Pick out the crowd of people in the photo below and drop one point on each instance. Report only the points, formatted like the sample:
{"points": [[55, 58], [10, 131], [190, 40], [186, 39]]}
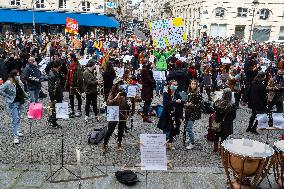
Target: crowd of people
{"points": [[248, 74]]}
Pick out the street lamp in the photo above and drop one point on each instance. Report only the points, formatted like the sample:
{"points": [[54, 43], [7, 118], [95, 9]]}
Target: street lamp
{"points": [[255, 3], [33, 10]]}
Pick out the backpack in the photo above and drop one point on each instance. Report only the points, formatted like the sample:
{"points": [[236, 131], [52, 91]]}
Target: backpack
{"points": [[97, 135], [126, 177]]}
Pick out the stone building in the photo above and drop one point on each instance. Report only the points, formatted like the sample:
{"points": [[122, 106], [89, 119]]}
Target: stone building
{"points": [[260, 20]]}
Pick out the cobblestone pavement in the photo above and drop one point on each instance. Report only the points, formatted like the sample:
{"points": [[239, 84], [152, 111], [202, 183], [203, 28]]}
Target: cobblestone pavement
{"points": [[46, 145]]}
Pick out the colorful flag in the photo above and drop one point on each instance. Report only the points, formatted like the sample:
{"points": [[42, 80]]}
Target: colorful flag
{"points": [[71, 26]]}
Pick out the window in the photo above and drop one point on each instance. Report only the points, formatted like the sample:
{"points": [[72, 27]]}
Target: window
{"points": [[264, 14], [220, 12], [62, 4], [40, 4], [86, 6], [242, 12], [15, 2], [281, 33]]}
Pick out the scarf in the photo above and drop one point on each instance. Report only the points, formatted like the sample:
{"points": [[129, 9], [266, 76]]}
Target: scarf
{"points": [[72, 68]]}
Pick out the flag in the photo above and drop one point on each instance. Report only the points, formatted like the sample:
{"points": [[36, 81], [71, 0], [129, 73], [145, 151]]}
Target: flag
{"points": [[71, 26]]}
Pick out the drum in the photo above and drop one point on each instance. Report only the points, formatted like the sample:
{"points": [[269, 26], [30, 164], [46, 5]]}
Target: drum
{"points": [[278, 167], [246, 162]]}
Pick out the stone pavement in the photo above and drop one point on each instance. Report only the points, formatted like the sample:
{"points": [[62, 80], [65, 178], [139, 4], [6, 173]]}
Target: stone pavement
{"points": [[24, 177]]}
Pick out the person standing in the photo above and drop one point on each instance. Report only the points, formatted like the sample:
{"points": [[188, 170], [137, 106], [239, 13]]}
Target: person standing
{"points": [[13, 91], [32, 76], [225, 113], [257, 100], [192, 110], [148, 84], [91, 88], [55, 90], [74, 84], [108, 77]]}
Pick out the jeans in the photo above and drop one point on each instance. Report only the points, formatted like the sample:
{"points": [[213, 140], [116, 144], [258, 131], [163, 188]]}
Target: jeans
{"points": [[160, 87], [111, 128], [15, 111], [34, 95], [79, 99], [91, 99], [189, 129]]}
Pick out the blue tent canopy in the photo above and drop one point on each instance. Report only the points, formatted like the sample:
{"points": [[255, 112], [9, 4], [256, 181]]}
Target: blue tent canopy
{"points": [[56, 18]]}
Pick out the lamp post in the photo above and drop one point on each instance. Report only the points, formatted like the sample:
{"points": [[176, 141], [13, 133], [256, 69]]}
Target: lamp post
{"points": [[33, 10], [255, 3]]}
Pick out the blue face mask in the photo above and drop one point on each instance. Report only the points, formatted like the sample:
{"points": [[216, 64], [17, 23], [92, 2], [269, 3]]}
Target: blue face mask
{"points": [[173, 88]]}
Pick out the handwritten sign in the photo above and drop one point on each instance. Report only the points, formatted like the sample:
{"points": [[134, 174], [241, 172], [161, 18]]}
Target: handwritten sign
{"points": [[153, 152], [112, 113], [62, 110], [131, 90], [159, 75]]}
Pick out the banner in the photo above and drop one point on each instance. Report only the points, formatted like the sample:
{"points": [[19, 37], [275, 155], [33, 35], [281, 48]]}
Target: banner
{"points": [[71, 26], [168, 32]]}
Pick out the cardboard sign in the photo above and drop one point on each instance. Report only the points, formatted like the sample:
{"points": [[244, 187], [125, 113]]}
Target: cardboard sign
{"points": [[112, 113], [131, 90], [61, 110], [71, 26], [153, 152]]}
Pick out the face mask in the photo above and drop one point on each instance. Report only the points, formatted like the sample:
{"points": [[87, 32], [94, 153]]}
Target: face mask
{"points": [[173, 88]]}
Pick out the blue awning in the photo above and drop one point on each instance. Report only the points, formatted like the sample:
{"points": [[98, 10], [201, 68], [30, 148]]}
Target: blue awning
{"points": [[56, 18]]}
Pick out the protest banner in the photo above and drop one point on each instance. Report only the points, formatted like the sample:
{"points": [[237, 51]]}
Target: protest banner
{"points": [[153, 152], [167, 32], [72, 26], [112, 113], [61, 110]]}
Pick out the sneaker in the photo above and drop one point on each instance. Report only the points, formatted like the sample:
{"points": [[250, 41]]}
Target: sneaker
{"points": [[78, 114], [20, 134], [16, 141], [190, 146], [86, 118]]}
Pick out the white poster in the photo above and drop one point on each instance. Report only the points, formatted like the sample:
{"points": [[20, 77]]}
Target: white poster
{"points": [[119, 72], [278, 121], [62, 110], [112, 113], [153, 152], [159, 75], [131, 90]]}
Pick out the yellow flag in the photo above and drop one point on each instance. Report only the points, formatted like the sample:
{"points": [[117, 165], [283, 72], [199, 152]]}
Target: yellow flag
{"points": [[150, 26], [184, 37], [178, 22]]}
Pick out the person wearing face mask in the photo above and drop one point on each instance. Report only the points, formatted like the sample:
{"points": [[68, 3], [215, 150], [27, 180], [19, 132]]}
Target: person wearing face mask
{"points": [[91, 88], [167, 122], [32, 76], [13, 91], [148, 84]]}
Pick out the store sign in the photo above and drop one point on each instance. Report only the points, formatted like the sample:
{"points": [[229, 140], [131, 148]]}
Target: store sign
{"points": [[111, 5]]}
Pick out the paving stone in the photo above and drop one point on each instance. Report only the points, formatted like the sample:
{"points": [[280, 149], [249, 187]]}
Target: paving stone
{"points": [[9, 178], [31, 179]]}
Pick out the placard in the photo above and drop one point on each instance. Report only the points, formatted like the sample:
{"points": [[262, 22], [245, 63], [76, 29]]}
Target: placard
{"points": [[61, 110], [131, 90], [35, 110], [153, 152], [119, 72], [112, 113], [159, 75]]}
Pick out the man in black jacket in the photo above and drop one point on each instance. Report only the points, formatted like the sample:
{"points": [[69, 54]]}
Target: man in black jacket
{"points": [[90, 86], [55, 90], [257, 100]]}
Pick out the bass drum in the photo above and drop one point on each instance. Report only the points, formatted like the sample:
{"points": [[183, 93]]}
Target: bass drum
{"points": [[278, 167]]}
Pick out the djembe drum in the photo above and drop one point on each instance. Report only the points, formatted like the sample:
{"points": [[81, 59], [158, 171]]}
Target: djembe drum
{"points": [[278, 167], [246, 162]]}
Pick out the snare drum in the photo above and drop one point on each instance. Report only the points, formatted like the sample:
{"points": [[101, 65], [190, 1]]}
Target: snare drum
{"points": [[246, 161], [278, 167]]}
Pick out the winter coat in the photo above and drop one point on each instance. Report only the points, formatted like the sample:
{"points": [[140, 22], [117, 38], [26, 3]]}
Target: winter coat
{"points": [[75, 84], [161, 58], [193, 106], [90, 82], [225, 113], [257, 96], [148, 84], [54, 86], [32, 76]]}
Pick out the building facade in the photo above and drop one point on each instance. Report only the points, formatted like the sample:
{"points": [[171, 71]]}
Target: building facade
{"points": [[258, 20]]}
